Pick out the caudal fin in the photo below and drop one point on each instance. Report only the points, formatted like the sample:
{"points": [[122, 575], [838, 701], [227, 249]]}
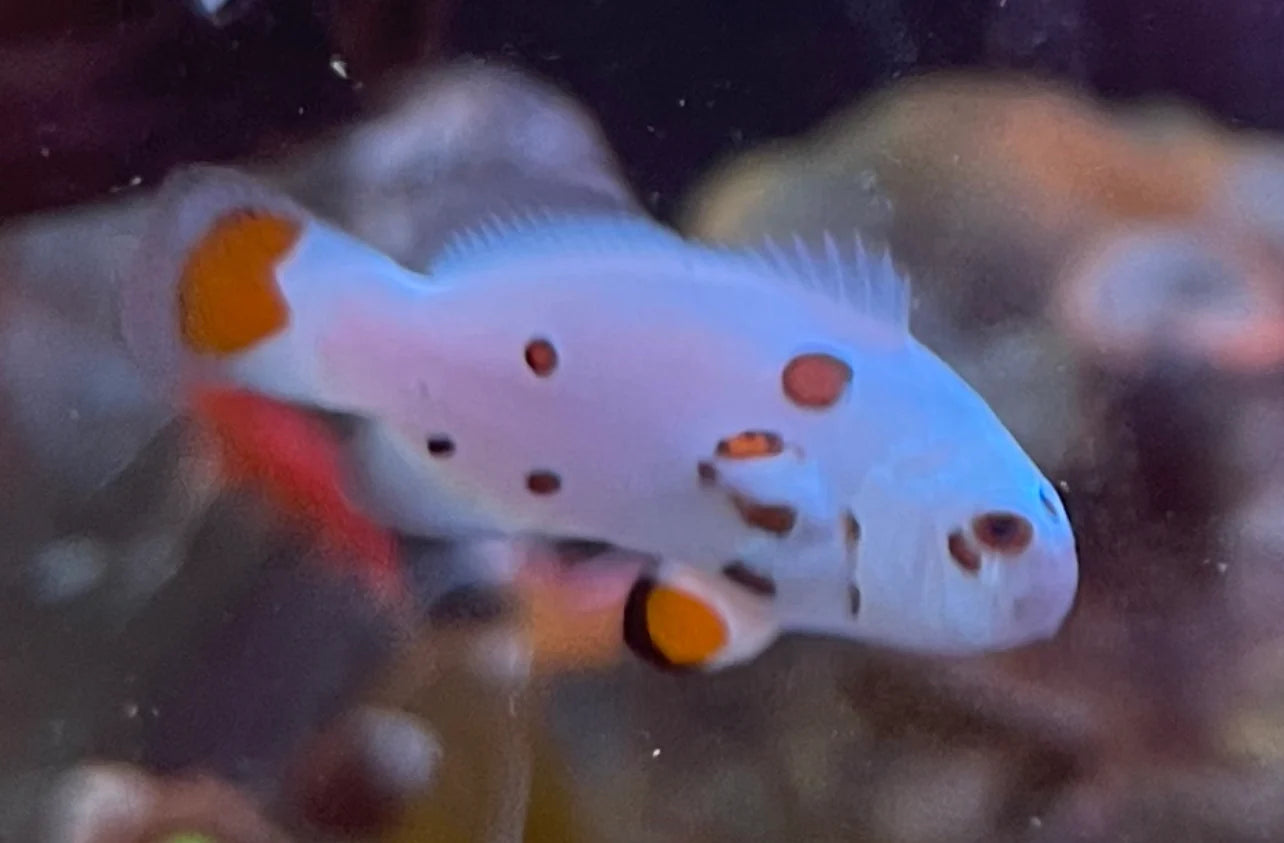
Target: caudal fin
{"points": [[235, 283], [203, 285]]}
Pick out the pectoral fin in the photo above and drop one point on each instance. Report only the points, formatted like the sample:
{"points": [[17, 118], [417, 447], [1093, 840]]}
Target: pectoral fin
{"points": [[684, 619]]}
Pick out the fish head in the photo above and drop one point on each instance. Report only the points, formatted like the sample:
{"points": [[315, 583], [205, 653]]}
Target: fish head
{"points": [[961, 550], [957, 542]]}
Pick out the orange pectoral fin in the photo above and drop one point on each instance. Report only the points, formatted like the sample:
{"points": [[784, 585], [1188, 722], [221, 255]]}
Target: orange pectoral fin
{"points": [[228, 297], [684, 619]]}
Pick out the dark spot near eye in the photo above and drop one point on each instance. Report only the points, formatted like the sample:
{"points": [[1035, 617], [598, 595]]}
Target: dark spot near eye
{"points": [[853, 599], [851, 530], [779, 520], [815, 380], [1003, 532], [707, 473], [541, 357], [742, 574], [543, 482], [750, 444], [1048, 504], [441, 446], [967, 558]]}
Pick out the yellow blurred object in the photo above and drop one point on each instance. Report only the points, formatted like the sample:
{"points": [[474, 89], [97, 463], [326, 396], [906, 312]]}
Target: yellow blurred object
{"points": [[565, 635]]}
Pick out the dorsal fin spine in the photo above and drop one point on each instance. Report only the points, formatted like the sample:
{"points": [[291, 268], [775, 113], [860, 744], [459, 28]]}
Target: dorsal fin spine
{"points": [[825, 271]]}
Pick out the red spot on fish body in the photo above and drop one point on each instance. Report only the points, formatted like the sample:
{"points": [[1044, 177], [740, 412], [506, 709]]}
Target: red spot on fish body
{"points": [[295, 461], [815, 381]]}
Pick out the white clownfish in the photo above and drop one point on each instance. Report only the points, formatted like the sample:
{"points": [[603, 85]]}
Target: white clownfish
{"points": [[761, 423]]}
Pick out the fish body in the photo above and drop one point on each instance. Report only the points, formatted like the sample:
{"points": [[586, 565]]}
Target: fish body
{"points": [[761, 422]]}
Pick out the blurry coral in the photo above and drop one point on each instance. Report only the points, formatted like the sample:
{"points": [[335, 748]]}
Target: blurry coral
{"points": [[114, 803]]}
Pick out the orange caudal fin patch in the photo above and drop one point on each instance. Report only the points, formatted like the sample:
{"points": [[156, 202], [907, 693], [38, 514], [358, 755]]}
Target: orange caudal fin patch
{"points": [[203, 281], [228, 297], [295, 462]]}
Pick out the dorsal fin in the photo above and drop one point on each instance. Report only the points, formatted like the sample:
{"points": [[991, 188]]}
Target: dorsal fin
{"points": [[850, 275], [539, 231], [853, 276]]}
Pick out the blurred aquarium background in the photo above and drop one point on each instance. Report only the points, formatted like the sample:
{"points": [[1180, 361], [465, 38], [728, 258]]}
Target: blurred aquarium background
{"points": [[1089, 195]]}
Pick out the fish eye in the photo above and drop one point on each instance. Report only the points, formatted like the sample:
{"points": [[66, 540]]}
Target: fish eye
{"points": [[1003, 532]]}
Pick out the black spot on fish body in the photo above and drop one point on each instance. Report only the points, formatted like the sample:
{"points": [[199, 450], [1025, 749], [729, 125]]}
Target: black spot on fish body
{"points": [[543, 482], [744, 576], [441, 446]]}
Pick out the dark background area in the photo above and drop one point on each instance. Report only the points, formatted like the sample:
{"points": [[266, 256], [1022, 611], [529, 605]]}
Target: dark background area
{"points": [[96, 96]]}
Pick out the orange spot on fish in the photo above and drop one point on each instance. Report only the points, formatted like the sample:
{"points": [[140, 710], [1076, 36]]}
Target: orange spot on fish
{"points": [[772, 518], [815, 380], [228, 298], [962, 553], [294, 461], [684, 629], [750, 444], [851, 531], [541, 357]]}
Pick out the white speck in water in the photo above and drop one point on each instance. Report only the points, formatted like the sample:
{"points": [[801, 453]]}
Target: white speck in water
{"points": [[134, 182], [1221, 567], [44, 152], [130, 710], [682, 102], [339, 66], [1035, 822], [300, 110], [655, 753]]}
